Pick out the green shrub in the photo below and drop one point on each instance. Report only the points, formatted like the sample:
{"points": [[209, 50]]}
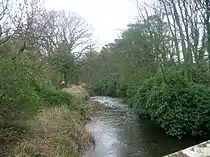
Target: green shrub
{"points": [[17, 90], [97, 88], [180, 108], [130, 92], [181, 111], [136, 93], [121, 89], [110, 87], [22, 95], [106, 86], [51, 96]]}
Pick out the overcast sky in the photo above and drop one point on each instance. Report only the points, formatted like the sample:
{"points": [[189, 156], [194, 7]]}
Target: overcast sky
{"points": [[106, 17]]}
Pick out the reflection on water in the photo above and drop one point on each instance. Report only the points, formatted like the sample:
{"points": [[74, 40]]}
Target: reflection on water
{"points": [[120, 133]]}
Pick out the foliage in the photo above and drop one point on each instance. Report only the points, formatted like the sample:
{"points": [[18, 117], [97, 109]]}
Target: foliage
{"points": [[179, 107], [54, 115], [39, 47], [162, 62], [107, 86], [152, 76], [17, 89], [110, 87], [55, 97], [175, 104], [121, 89], [21, 93]]}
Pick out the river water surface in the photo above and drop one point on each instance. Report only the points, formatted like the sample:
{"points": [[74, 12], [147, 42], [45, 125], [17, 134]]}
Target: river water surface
{"points": [[118, 132]]}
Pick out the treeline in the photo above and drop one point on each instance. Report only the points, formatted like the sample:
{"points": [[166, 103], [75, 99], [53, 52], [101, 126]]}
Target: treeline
{"points": [[160, 66], [50, 43], [39, 48]]}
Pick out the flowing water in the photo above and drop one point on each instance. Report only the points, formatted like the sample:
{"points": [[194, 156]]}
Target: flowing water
{"points": [[118, 132]]}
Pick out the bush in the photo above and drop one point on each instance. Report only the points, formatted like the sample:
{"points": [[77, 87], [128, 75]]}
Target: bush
{"points": [[106, 86], [50, 96], [121, 89], [17, 90], [130, 92], [111, 86], [136, 94], [22, 95], [180, 108]]}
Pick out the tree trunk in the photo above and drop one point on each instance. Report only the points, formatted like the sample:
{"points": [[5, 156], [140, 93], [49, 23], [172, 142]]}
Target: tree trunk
{"points": [[208, 33], [184, 50]]}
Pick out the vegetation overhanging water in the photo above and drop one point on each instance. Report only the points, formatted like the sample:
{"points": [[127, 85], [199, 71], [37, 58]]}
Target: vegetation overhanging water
{"points": [[118, 131]]}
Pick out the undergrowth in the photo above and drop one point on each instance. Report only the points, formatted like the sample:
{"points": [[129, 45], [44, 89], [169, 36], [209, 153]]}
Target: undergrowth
{"points": [[38, 119], [55, 131]]}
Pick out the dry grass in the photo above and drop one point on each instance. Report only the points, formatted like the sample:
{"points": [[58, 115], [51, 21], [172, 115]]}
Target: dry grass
{"points": [[78, 92], [59, 131], [55, 132], [80, 96]]}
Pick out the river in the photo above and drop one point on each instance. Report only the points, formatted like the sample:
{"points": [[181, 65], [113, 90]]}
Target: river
{"points": [[119, 132]]}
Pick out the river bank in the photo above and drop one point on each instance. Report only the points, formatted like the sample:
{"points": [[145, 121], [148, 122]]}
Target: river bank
{"points": [[55, 130]]}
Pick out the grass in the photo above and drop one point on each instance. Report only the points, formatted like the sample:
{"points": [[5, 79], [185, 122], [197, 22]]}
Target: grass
{"points": [[39, 120], [80, 96], [79, 93], [54, 131]]}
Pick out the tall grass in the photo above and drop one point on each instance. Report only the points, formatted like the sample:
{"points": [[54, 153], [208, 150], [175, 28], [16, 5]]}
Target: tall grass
{"points": [[55, 131]]}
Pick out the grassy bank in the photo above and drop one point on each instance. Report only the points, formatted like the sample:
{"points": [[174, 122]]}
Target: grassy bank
{"points": [[39, 120], [53, 131]]}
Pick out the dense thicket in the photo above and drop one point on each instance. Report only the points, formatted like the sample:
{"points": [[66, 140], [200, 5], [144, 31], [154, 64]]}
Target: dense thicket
{"points": [[22, 95], [160, 65]]}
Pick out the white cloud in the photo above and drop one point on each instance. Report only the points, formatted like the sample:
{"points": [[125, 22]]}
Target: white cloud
{"points": [[105, 16]]}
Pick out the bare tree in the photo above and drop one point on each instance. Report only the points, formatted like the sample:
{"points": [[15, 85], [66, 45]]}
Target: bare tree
{"points": [[65, 38], [75, 32], [187, 25], [5, 8]]}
